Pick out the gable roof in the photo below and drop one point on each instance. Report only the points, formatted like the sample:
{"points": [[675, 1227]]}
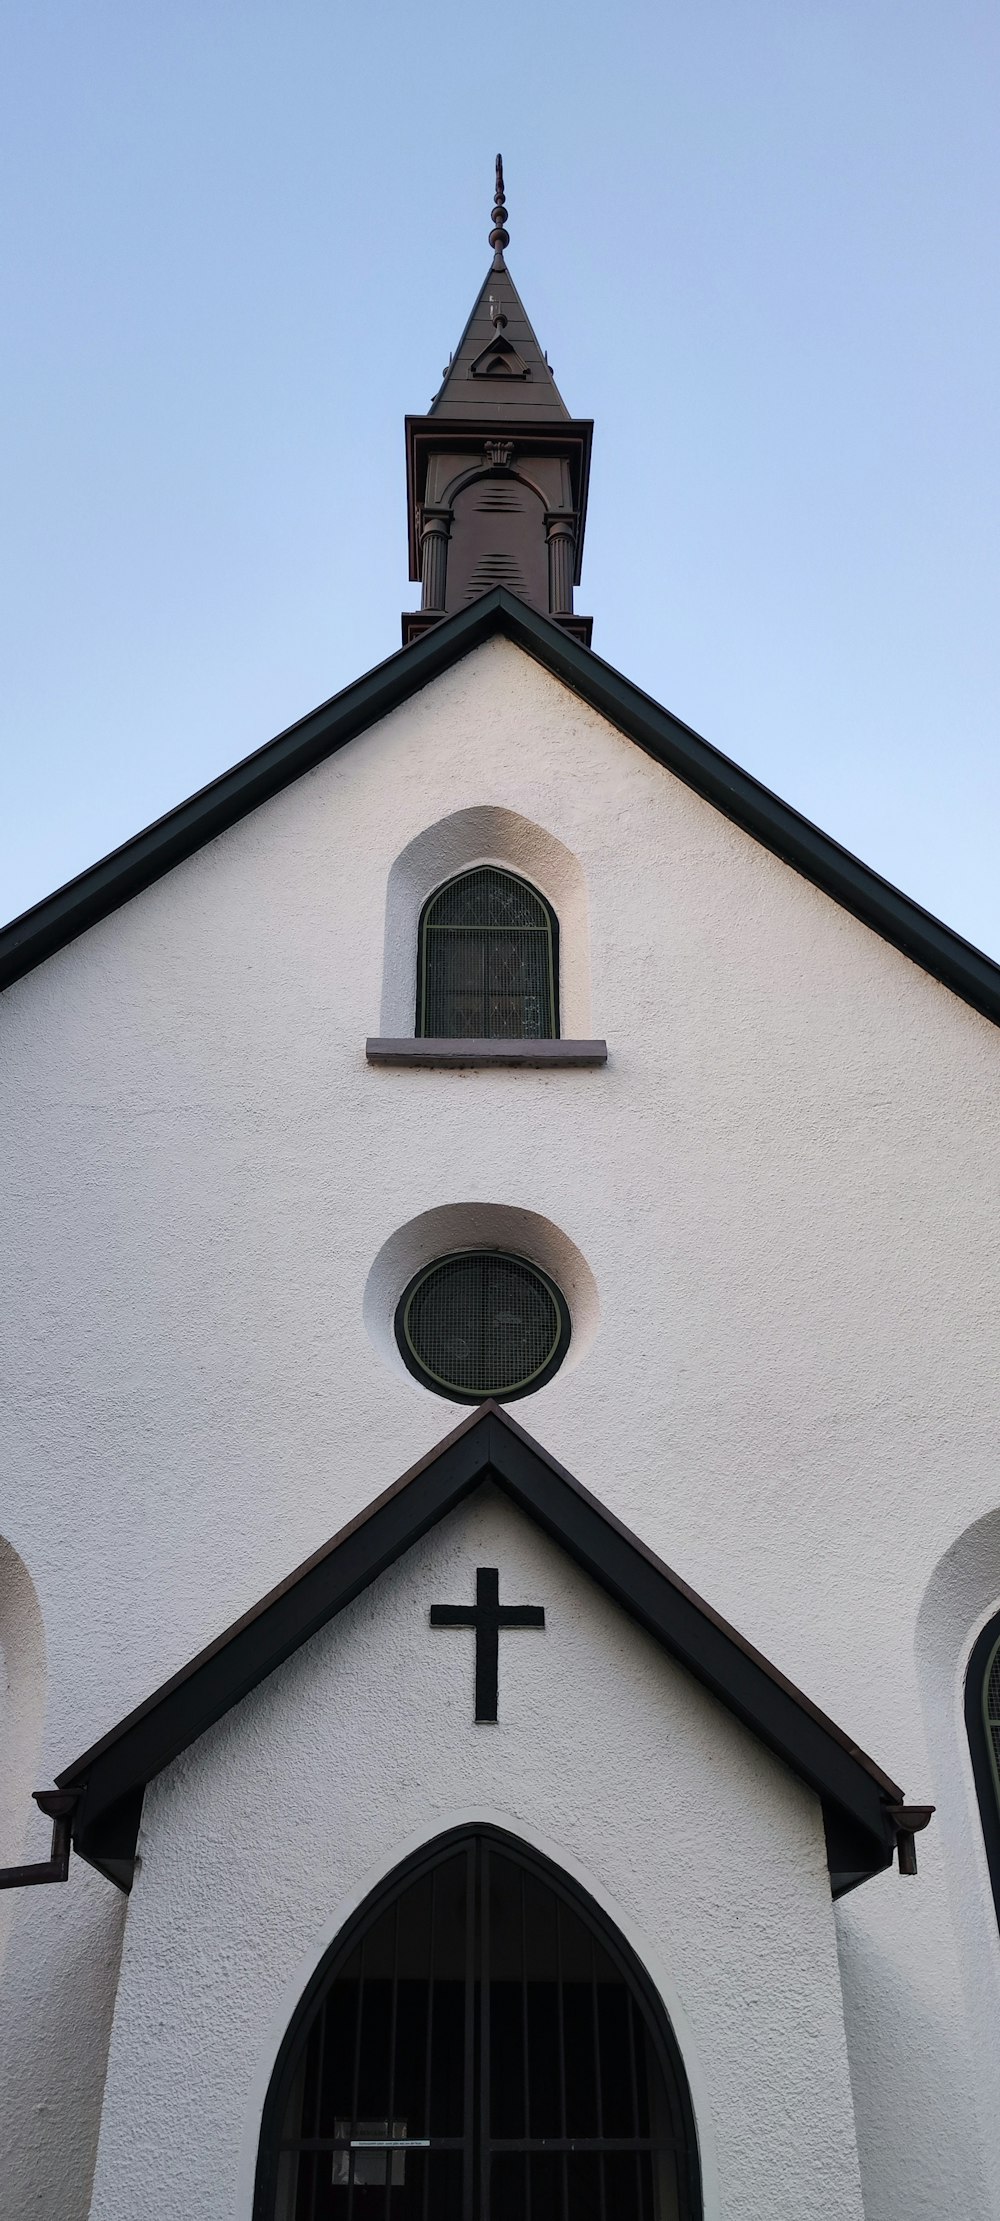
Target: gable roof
{"points": [[862, 1807], [51, 924]]}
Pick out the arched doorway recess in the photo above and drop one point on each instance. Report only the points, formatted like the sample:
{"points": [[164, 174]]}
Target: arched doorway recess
{"points": [[480, 2044]]}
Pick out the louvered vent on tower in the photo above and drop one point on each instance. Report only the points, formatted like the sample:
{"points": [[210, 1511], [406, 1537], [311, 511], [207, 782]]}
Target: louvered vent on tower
{"points": [[496, 570]]}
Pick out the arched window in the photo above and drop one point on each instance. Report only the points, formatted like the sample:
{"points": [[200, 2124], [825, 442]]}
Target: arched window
{"points": [[982, 1719], [487, 961], [479, 2045]]}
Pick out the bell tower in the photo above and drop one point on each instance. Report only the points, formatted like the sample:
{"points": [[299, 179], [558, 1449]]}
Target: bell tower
{"points": [[497, 471]]}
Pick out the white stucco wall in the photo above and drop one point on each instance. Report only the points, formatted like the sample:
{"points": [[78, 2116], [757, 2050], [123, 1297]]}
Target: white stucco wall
{"points": [[783, 1185], [606, 1753]]}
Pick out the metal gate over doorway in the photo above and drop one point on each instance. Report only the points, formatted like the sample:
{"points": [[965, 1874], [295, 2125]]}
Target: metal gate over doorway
{"points": [[480, 2045]]}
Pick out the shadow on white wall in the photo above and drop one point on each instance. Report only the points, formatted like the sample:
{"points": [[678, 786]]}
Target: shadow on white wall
{"points": [[22, 1715]]}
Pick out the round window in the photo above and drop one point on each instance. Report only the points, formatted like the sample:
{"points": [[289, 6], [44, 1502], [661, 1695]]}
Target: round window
{"points": [[480, 1324]]}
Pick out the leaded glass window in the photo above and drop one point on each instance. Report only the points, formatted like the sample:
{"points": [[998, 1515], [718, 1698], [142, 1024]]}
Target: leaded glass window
{"points": [[991, 1713], [482, 1323], [487, 961], [480, 2045]]}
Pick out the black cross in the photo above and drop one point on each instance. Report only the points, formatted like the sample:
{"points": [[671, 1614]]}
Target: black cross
{"points": [[487, 1616]]}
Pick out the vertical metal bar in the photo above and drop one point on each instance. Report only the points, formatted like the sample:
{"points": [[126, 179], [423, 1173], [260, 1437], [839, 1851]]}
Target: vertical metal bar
{"points": [[318, 2093], [484, 2032], [630, 2010], [422, 953], [469, 2092], [595, 2018], [315, 2163], [391, 2095], [352, 2127], [525, 2045], [598, 2092], [561, 2009], [429, 2043], [318, 2117]]}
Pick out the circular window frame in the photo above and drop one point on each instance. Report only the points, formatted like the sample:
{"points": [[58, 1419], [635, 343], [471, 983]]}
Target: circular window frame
{"points": [[439, 1387]]}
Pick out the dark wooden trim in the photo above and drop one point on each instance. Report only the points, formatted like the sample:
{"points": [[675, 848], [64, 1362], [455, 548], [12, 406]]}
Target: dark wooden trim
{"points": [[79, 905], [578, 628], [982, 1764], [110, 1777], [428, 1050], [415, 622]]}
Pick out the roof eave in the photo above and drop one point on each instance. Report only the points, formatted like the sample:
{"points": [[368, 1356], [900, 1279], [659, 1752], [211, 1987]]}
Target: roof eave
{"points": [[41, 931], [856, 1796], [95, 893]]}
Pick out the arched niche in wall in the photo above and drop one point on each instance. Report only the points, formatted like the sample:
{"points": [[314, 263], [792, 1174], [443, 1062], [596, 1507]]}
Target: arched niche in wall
{"points": [[22, 1714], [452, 1227], [961, 1598], [485, 834]]}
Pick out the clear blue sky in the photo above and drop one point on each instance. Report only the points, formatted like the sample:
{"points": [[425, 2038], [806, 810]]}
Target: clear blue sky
{"points": [[757, 237]]}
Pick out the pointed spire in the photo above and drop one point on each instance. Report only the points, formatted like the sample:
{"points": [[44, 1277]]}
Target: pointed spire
{"points": [[499, 238], [498, 368]]}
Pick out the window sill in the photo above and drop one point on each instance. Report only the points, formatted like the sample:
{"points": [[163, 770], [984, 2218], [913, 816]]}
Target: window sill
{"points": [[541, 1054]]}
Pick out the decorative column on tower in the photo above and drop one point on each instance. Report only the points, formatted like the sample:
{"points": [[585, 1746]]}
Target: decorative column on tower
{"points": [[435, 526], [562, 560], [497, 471]]}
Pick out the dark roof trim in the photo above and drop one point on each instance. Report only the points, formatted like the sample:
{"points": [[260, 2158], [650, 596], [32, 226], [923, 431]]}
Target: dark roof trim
{"points": [[857, 1798], [58, 920]]}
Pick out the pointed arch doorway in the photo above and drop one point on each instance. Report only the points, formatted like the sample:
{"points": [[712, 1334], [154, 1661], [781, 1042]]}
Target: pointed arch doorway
{"points": [[480, 2044]]}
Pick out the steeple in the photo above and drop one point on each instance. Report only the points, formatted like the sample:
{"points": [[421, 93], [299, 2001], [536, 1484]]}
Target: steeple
{"points": [[497, 470], [498, 345]]}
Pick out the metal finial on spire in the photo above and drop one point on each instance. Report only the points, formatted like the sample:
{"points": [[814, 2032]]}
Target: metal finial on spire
{"points": [[499, 238]]}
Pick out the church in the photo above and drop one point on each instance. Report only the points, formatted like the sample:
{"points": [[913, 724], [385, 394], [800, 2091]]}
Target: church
{"points": [[500, 1489]]}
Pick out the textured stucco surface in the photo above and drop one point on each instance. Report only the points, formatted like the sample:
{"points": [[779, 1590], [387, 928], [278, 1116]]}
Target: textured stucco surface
{"points": [[784, 1185], [604, 1750]]}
